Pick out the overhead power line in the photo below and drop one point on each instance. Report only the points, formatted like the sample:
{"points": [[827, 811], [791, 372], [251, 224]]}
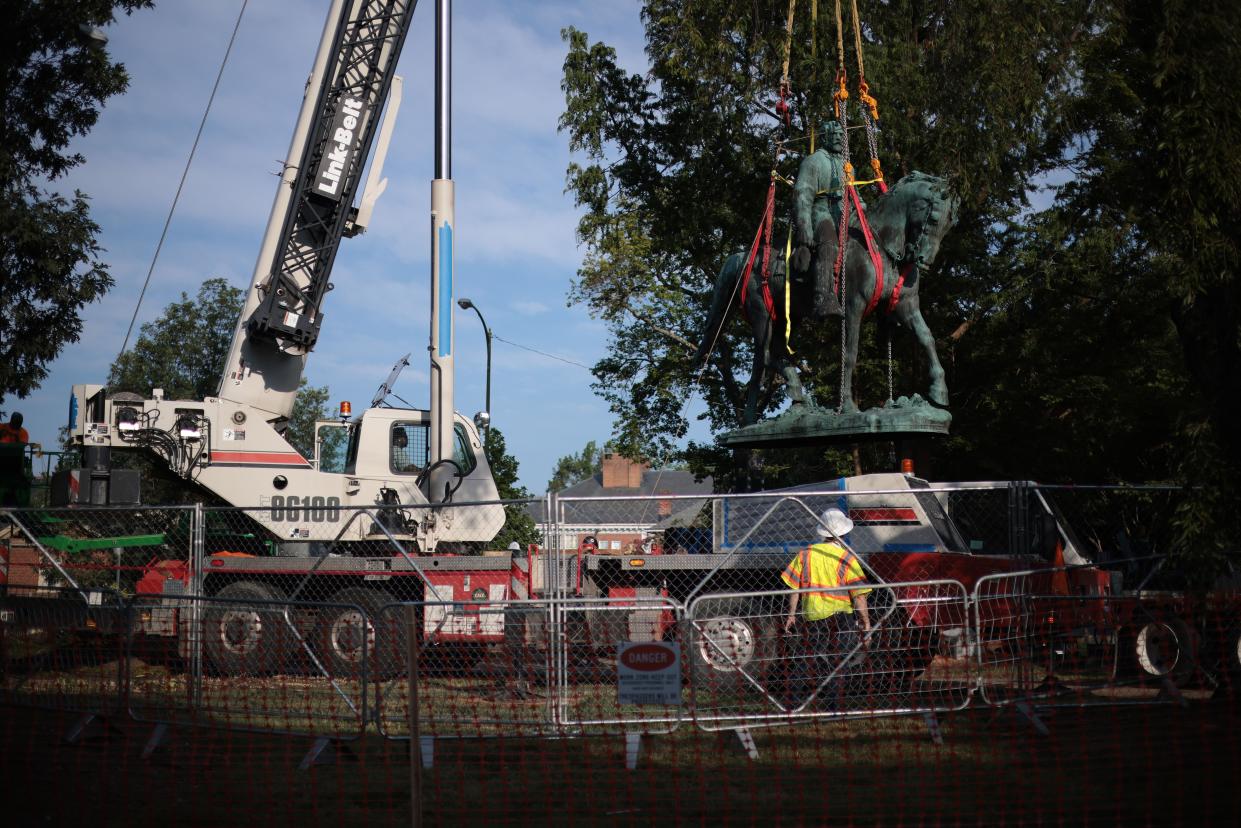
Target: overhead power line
{"points": [[499, 338]]}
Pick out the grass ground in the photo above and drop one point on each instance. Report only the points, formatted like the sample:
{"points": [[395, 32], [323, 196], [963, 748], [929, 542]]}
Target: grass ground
{"points": [[1142, 765]]}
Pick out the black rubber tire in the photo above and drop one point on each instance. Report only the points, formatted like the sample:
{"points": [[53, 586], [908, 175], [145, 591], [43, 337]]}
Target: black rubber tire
{"points": [[745, 644], [346, 639], [243, 640], [1164, 649]]}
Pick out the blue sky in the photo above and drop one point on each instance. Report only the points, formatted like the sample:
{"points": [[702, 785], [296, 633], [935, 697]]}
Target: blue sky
{"points": [[516, 251]]}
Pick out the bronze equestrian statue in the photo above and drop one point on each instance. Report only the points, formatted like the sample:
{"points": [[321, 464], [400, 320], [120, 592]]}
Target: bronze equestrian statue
{"points": [[908, 224]]}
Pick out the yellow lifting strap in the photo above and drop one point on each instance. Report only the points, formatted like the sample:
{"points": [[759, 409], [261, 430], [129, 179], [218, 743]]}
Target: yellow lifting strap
{"points": [[788, 292]]}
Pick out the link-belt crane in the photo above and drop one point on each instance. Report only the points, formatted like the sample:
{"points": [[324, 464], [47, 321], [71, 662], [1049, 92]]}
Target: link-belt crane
{"points": [[233, 444]]}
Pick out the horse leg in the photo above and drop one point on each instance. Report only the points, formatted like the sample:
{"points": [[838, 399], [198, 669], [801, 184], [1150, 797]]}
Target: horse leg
{"points": [[859, 282], [909, 311], [761, 370], [796, 392], [779, 361], [721, 297], [853, 329]]}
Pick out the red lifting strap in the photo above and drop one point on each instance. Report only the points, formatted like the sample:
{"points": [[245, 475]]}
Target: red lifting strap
{"points": [[763, 234], [896, 288], [872, 251]]}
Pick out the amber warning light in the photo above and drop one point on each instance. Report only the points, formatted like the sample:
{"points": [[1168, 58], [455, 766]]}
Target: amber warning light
{"points": [[346, 409]]}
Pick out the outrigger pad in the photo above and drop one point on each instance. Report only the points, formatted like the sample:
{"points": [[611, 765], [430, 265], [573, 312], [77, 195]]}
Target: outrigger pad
{"points": [[809, 425]]}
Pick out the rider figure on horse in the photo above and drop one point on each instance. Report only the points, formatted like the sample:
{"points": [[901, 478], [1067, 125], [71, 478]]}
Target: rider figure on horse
{"points": [[818, 196]]}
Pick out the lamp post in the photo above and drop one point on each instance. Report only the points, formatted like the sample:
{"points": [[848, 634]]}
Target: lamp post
{"points": [[466, 304]]}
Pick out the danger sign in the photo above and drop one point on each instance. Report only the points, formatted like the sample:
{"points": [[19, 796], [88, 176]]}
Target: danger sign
{"points": [[648, 672]]}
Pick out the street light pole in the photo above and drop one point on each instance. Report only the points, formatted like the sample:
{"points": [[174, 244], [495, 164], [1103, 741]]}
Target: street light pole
{"points": [[466, 304]]}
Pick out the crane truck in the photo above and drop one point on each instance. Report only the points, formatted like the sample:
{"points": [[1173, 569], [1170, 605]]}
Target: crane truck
{"points": [[233, 444]]}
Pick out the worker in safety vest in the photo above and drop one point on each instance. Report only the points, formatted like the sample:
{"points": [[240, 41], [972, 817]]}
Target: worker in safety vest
{"points": [[12, 431], [829, 619]]}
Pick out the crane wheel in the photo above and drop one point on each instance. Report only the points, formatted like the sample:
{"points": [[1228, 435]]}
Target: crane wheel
{"points": [[356, 635], [1165, 649], [245, 632], [732, 645]]}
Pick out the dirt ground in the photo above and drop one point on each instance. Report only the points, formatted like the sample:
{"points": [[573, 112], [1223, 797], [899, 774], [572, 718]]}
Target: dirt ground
{"points": [[1104, 765]]}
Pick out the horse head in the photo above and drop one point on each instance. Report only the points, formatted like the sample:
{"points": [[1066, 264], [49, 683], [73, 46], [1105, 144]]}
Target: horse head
{"points": [[916, 214]]}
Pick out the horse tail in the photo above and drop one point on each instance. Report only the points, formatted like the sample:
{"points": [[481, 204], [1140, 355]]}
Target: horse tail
{"points": [[721, 300]]}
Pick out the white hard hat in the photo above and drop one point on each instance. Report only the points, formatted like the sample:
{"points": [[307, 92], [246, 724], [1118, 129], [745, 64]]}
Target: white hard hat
{"points": [[834, 523], [514, 547]]}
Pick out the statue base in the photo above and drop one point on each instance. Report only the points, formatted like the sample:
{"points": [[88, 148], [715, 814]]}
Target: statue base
{"points": [[805, 424]]}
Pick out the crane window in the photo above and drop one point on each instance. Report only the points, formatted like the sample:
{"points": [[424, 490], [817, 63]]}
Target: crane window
{"points": [[461, 451], [410, 446]]}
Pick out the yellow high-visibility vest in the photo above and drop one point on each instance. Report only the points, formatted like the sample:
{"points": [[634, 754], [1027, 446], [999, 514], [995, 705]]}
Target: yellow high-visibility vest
{"points": [[825, 565]]}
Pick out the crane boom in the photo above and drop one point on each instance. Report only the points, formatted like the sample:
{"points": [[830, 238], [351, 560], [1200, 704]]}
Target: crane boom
{"points": [[280, 322]]}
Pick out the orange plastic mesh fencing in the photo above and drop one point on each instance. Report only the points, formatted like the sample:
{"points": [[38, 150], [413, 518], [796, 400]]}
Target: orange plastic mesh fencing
{"points": [[534, 731]]}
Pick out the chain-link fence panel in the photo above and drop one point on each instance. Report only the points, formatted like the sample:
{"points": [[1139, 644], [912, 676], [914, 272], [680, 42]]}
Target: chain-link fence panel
{"points": [[374, 556], [484, 668], [575, 665], [117, 548], [1069, 636], [620, 663], [756, 659], [268, 664], [1009, 641], [63, 648], [1220, 642]]}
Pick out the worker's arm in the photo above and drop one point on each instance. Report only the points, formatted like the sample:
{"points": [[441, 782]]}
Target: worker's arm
{"points": [[859, 605], [792, 617]]}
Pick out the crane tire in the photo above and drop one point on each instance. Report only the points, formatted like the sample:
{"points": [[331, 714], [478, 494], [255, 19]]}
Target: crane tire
{"points": [[1165, 649], [247, 639], [732, 643], [355, 635]]}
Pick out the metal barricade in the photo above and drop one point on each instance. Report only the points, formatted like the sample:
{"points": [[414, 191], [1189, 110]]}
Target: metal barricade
{"points": [[621, 664], [270, 666], [484, 669], [63, 648], [111, 548], [1009, 643], [750, 666]]}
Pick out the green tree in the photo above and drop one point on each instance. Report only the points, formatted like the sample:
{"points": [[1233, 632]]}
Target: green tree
{"points": [[311, 405], [54, 77], [574, 468], [519, 527], [1158, 136], [183, 350], [1056, 365]]}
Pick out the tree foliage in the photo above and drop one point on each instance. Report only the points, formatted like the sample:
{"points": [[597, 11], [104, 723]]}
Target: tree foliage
{"points": [[574, 468], [310, 406], [183, 350], [1089, 142], [53, 80], [519, 527]]}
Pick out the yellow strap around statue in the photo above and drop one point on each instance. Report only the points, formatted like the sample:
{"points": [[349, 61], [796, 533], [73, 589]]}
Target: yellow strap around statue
{"points": [[788, 289]]}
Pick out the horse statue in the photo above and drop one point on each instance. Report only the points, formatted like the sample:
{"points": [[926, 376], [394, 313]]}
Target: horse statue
{"points": [[907, 224]]}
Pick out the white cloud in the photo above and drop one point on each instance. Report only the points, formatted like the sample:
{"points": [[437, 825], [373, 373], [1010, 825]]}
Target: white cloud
{"points": [[529, 308]]}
